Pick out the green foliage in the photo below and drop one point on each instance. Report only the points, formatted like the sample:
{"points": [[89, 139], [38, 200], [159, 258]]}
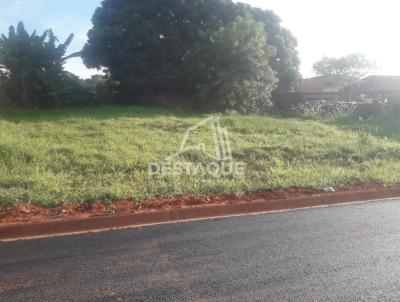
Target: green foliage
{"points": [[31, 67], [103, 90], [2, 91], [74, 91], [102, 153], [152, 47], [230, 67], [353, 66], [286, 60]]}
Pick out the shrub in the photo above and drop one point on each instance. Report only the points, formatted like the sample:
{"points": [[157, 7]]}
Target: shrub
{"points": [[31, 67]]}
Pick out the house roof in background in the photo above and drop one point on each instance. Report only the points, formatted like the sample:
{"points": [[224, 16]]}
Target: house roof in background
{"points": [[374, 83], [319, 84], [377, 83]]}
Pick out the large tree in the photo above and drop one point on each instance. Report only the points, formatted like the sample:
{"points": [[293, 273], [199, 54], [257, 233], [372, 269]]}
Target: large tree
{"points": [[31, 66], [150, 46]]}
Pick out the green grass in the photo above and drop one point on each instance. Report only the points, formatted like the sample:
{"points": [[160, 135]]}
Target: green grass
{"points": [[87, 154]]}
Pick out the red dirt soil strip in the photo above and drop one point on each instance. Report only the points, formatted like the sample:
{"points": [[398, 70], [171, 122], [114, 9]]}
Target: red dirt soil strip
{"points": [[28, 213]]}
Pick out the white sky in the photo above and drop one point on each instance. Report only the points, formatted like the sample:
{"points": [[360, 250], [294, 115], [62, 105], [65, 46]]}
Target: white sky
{"points": [[340, 27]]}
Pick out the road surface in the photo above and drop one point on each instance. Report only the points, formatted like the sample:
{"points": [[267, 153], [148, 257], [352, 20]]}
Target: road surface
{"points": [[340, 253]]}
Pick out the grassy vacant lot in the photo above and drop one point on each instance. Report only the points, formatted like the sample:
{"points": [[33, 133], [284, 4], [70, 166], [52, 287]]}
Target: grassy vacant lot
{"points": [[78, 155]]}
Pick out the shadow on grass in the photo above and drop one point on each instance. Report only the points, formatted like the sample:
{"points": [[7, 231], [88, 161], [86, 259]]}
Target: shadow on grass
{"points": [[387, 125], [384, 126], [97, 113]]}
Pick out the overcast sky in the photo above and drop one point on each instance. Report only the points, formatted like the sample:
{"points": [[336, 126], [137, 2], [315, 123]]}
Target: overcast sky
{"points": [[332, 28]]}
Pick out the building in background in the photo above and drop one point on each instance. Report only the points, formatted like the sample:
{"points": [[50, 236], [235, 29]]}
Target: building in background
{"points": [[337, 89]]}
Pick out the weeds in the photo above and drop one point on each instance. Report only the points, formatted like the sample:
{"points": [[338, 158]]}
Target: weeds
{"points": [[81, 155]]}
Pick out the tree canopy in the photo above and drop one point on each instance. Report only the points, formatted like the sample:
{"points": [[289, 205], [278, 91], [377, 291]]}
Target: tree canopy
{"points": [[219, 53], [31, 67], [229, 67], [353, 66]]}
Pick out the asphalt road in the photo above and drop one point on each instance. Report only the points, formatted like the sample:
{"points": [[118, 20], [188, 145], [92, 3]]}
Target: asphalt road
{"points": [[342, 253]]}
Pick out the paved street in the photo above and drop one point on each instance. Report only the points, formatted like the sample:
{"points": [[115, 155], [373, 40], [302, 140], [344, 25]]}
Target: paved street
{"points": [[341, 253]]}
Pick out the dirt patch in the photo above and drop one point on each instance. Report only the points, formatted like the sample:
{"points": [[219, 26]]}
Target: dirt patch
{"points": [[24, 213]]}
